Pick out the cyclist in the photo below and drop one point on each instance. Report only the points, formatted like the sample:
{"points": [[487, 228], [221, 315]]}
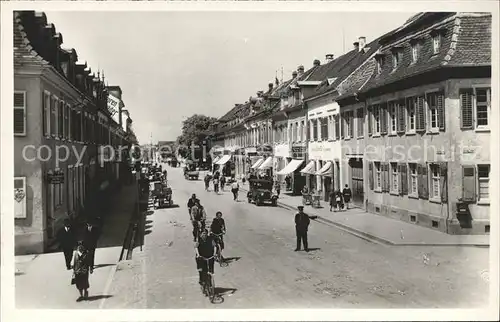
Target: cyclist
{"points": [[218, 229], [205, 249], [192, 202], [198, 217]]}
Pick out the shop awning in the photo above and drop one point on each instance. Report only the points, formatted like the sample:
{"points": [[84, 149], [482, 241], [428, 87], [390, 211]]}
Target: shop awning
{"points": [[326, 170], [310, 168], [290, 167], [257, 163], [224, 159], [217, 158], [266, 164]]}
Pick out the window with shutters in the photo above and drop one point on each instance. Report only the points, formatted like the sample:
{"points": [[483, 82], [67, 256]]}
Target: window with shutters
{"points": [[413, 180], [331, 127], [347, 124], [433, 101], [19, 113], [337, 127], [411, 113], [394, 188], [483, 176], [378, 176], [46, 113], [60, 119], [324, 128], [435, 179], [466, 109], [393, 121], [54, 127], [401, 115], [66, 122], [350, 121], [361, 122], [376, 120], [315, 129], [20, 197], [482, 107]]}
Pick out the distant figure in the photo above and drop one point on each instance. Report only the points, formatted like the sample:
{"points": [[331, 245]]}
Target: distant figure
{"points": [[288, 180], [67, 242], [305, 190], [347, 194], [331, 198], [302, 222], [81, 270], [277, 186], [207, 182], [91, 235], [222, 182], [338, 201], [235, 187]]}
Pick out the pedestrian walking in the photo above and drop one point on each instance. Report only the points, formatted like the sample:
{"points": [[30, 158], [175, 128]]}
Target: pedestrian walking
{"points": [[81, 270], [277, 187], [216, 184], [91, 235], [67, 242], [331, 198], [288, 180], [338, 201], [207, 182], [347, 193], [222, 182], [302, 222], [235, 187]]}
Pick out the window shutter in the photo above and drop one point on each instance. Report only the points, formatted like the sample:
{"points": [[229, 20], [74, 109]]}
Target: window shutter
{"points": [[20, 197], [20, 113], [420, 114], [469, 183], [370, 174], [342, 125], [404, 179], [443, 174], [60, 118], [466, 108], [383, 118], [387, 177], [370, 121], [53, 109], [400, 178], [423, 182], [441, 111], [44, 113], [401, 117]]}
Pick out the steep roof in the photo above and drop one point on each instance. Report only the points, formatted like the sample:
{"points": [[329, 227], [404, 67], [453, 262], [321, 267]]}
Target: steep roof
{"points": [[24, 54], [465, 41]]}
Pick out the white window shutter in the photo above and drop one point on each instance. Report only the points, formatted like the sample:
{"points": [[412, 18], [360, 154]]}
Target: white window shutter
{"points": [[19, 197]]}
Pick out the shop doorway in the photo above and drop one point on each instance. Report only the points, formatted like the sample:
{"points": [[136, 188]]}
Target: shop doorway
{"points": [[356, 166]]}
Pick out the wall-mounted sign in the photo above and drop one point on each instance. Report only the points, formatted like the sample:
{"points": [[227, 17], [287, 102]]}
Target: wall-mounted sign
{"points": [[55, 177], [299, 152]]}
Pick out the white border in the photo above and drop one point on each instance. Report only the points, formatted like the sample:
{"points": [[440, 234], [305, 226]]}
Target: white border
{"points": [[6, 165]]}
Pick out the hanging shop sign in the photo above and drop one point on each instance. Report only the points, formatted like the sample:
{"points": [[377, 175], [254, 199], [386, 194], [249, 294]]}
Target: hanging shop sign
{"points": [[299, 151], [55, 177]]}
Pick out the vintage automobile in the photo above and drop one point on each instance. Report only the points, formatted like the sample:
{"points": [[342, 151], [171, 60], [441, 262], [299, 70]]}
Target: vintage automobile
{"points": [[191, 172], [161, 194], [261, 191]]}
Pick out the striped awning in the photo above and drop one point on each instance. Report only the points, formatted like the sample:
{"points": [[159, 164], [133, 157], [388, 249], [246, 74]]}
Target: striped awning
{"points": [[257, 163], [224, 159], [326, 170], [217, 158], [266, 164], [290, 167], [310, 168]]}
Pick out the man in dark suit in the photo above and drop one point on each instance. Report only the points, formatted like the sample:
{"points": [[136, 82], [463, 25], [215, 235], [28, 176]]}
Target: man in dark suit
{"points": [[302, 222], [91, 235], [67, 241]]}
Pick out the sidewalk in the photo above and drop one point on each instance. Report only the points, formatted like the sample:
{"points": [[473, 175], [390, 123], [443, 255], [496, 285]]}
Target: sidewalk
{"points": [[42, 281], [381, 229]]}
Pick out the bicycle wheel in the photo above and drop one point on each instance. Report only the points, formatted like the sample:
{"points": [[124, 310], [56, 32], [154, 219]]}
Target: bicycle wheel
{"points": [[211, 288]]}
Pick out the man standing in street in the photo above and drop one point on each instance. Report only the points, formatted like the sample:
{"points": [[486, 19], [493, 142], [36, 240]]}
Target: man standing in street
{"points": [[301, 225], [67, 241], [91, 236], [346, 193]]}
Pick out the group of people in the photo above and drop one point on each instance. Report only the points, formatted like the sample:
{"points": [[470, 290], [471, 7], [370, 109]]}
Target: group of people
{"points": [[85, 244], [206, 245], [219, 182], [339, 200]]}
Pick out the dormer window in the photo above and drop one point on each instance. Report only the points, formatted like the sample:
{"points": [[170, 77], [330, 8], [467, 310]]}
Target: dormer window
{"points": [[396, 57], [436, 43], [415, 50]]}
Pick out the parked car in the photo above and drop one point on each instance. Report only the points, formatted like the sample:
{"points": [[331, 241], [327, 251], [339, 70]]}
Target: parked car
{"points": [[261, 191], [191, 172], [162, 194]]}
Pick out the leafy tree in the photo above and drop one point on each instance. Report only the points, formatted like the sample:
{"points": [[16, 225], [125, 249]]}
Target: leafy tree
{"points": [[195, 130]]}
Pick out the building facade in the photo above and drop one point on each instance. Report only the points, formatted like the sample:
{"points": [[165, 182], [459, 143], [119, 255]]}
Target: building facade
{"points": [[61, 121]]}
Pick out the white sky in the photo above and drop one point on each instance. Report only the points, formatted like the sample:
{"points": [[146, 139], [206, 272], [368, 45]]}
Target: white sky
{"points": [[171, 65]]}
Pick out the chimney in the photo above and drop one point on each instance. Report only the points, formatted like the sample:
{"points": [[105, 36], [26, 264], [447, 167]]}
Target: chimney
{"points": [[271, 85], [362, 43], [316, 62], [356, 46], [300, 70], [329, 58], [294, 74]]}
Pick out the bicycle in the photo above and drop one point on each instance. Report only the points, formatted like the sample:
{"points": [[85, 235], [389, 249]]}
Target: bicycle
{"points": [[218, 256], [208, 283], [198, 227]]}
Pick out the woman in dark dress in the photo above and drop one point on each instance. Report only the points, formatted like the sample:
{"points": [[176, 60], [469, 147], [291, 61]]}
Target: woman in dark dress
{"points": [[81, 270]]}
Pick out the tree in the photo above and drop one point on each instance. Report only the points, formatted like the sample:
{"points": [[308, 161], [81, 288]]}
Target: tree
{"points": [[195, 130]]}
